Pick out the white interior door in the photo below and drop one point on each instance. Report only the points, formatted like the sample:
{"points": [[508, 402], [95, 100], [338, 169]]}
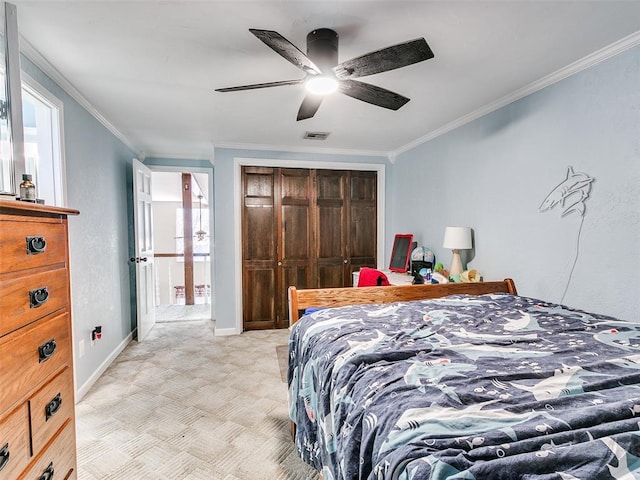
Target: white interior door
{"points": [[143, 225]]}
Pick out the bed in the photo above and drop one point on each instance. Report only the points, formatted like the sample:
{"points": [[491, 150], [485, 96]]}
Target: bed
{"points": [[461, 381]]}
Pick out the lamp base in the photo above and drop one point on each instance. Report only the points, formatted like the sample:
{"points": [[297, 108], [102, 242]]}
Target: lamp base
{"points": [[456, 264]]}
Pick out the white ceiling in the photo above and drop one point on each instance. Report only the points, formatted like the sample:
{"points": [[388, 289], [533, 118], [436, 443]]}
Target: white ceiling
{"points": [[167, 187], [150, 68]]}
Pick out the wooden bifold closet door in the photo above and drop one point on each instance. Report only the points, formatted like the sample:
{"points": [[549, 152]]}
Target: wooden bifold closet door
{"points": [[308, 228]]}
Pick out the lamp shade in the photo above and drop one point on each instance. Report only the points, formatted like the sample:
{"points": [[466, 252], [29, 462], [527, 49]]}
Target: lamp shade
{"points": [[457, 238]]}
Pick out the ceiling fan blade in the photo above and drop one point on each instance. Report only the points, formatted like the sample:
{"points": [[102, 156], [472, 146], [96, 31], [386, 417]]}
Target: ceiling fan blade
{"points": [[371, 94], [309, 106], [260, 85], [390, 58], [286, 49]]}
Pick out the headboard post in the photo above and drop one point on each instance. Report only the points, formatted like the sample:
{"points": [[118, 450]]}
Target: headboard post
{"points": [[293, 305]]}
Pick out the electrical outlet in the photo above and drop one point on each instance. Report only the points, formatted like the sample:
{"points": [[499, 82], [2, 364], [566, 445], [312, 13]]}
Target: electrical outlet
{"points": [[81, 348]]}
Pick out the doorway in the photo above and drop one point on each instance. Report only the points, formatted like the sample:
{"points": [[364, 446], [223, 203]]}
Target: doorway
{"points": [[182, 235], [238, 162], [311, 228]]}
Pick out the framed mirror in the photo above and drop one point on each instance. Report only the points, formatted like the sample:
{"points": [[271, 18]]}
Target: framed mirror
{"points": [[401, 252]]}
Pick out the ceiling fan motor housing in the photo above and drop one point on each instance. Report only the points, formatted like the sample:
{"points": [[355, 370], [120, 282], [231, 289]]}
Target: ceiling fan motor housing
{"points": [[322, 48]]}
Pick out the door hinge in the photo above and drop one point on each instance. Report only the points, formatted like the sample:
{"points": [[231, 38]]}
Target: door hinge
{"points": [[4, 109]]}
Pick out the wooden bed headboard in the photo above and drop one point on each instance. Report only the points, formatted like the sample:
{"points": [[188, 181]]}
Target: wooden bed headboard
{"points": [[300, 300]]}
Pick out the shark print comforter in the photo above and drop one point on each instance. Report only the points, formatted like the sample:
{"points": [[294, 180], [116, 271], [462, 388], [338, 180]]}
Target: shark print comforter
{"points": [[466, 387]]}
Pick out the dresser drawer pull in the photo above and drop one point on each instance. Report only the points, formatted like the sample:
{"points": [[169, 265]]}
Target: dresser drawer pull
{"points": [[48, 473], [38, 297], [36, 245], [46, 350], [4, 456], [52, 407]]}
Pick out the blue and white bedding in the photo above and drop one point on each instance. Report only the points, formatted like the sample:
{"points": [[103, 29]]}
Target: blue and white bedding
{"points": [[466, 387]]}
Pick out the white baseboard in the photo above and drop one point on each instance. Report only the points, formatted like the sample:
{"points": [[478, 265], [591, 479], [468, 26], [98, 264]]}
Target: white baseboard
{"points": [[86, 386], [225, 332]]}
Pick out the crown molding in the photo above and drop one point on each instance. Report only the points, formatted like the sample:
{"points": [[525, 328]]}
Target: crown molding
{"points": [[173, 156], [590, 60], [288, 148], [48, 69], [586, 62]]}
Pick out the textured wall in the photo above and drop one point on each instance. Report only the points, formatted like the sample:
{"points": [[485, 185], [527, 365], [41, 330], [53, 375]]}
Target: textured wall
{"points": [[98, 176], [494, 173]]}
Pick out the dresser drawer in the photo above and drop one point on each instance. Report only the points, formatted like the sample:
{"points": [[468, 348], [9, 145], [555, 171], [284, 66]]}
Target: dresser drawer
{"points": [[50, 408], [24, 299], [14, 443], [31, 355], [30, 244], [58, 460]]}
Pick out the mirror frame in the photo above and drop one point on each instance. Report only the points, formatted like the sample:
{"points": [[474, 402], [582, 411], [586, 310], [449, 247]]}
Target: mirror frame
{"points": [[399, 261]]}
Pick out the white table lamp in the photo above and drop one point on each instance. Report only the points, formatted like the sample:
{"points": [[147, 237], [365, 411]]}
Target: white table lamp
{"points": [[456, 239]]}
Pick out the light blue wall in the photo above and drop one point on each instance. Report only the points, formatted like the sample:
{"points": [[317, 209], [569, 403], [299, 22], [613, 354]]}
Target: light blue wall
{"points": [[494, 173], [98, 177], [225, 195]]}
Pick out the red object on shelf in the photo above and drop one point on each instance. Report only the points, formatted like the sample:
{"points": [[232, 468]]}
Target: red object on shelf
{"points": [[370, 277]]}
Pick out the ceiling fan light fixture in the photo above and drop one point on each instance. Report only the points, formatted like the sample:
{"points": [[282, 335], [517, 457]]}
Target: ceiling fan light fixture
{"points": [[321, 85]]}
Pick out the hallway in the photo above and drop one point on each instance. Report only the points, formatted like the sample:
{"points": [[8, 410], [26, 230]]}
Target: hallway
{"points": [[183, 313]]}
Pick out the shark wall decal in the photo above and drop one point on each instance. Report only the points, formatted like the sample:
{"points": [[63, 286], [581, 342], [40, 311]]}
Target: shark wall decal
{"points": [[576, 187], [571, 195]]}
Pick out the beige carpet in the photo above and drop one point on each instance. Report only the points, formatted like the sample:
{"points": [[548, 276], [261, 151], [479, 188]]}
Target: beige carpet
{"points": [[186, 405]]}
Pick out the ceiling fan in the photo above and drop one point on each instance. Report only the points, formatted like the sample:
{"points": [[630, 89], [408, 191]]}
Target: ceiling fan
{"points": [[325, 75]]}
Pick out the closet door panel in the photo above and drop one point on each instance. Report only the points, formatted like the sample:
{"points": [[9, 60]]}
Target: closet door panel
{"points": [[363, 220], [295, 217], [259, 215], [259, 308], [295, 249], [300, 277], [330, 229], [260, 238], [331, 276], [259, 242], [330, 218], [295, 233]]}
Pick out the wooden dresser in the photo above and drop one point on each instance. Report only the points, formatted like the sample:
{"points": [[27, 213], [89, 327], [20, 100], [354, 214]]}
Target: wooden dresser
{"points": [[37, 423]]}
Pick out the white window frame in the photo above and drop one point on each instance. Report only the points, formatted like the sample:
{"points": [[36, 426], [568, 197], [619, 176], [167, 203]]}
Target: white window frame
{"points": [[34, 88]]}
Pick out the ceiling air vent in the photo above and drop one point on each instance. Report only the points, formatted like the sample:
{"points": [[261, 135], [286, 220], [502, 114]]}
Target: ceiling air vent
{"points": [[315, 135]]}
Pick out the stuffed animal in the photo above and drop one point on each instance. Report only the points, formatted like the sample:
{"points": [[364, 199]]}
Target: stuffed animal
{"points": [[439, 268], [470, 276]]}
